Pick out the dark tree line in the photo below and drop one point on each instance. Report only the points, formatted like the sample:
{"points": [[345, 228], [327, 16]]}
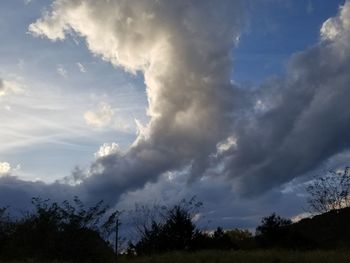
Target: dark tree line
{"points": [[55, 231], [71, 232], [173, 229]]}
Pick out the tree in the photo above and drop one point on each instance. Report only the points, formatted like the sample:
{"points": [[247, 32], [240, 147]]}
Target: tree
{"points": [[6, 228], [221, 240], [271, 230], [174, 229], [241, 238], [68, 232], [330, 192]]}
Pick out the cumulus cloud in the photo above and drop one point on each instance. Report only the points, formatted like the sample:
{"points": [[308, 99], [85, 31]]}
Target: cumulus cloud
{"points": [[305, 118], [107, 149], [183, 50], [198, 118], [101, 117], [336, 28]]}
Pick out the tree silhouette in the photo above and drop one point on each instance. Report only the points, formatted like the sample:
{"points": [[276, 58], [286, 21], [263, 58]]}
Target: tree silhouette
{"points": [[271, 230], [60, 232], [174, 229], [330, 192], [6, 228]]}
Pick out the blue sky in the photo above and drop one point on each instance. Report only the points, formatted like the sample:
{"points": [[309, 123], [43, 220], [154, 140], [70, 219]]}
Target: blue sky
{"points": [[70, 102], [35, 63], [276, 30]]}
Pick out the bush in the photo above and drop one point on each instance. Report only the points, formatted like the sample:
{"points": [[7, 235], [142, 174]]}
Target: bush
{"points": [[175, 232], [272, 230], [60, 232]]}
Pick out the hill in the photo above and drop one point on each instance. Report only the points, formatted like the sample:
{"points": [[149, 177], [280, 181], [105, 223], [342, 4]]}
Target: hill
{"points": [[326, 231]]}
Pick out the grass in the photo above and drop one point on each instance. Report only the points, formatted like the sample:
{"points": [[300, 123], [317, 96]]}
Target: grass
{"points": [[259, 256]]}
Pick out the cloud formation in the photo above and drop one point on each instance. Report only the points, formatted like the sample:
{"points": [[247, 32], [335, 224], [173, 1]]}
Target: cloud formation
{"points": [[100, 118], [62, 71], [108, 149], [81, 67], [7, 87], [303, 118], [183, 50], [5, 168], [259, 139], [2, 87]]}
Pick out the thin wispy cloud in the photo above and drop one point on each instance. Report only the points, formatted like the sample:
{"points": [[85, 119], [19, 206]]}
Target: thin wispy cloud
{"points": [[62, 71], [10, 87], [81, 67], [100, 118]]}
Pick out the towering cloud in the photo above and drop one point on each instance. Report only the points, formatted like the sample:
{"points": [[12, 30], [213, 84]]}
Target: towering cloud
{"points": [[198, 119], [183, 50]]}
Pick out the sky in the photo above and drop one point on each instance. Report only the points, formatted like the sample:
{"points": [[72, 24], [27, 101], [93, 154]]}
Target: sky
{"points": [[238, 103]]}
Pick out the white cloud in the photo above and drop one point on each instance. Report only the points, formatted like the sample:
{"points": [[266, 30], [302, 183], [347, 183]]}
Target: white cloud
{"points": [[5, 168], [62, 71], [101, 117], [226, 145], [2, 88], [81, 67], [300, 216], [183, 51], [10, 86], [108, 149], [337, 28]]}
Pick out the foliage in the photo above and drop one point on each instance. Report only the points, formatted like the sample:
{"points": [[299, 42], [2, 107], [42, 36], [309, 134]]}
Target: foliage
{"points": [[174, 229], [62, 232], [330, 192], [256, 256], [71, 232], [272, 230], [241, 238], [6, 228]]}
